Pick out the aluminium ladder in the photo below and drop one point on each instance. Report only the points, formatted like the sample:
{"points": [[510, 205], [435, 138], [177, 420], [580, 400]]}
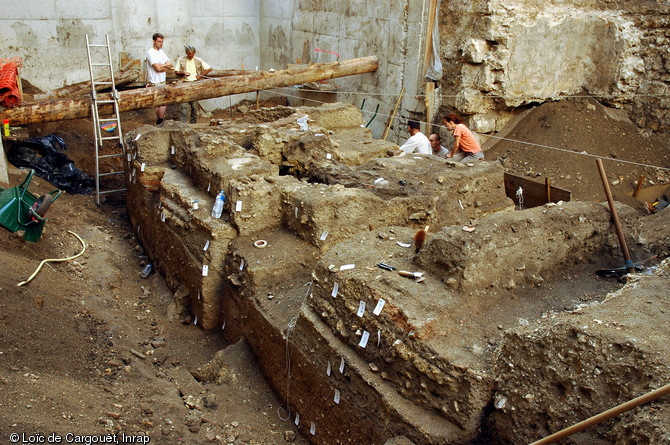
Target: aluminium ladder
{"points": [[97, 121]]}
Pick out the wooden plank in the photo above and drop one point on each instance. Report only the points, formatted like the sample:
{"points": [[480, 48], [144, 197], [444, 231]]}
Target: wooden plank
{"points": [[534, 193], [57, 110]]}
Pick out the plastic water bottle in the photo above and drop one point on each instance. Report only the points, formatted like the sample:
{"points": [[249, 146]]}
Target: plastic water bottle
{"points": [[218, 205]]}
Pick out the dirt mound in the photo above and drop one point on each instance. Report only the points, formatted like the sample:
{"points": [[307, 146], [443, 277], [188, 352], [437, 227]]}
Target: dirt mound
{"points": [[552, 132]]}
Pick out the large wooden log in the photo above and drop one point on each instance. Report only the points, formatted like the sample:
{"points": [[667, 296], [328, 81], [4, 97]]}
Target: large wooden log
{"points": [[57, 110], [83, 88]]}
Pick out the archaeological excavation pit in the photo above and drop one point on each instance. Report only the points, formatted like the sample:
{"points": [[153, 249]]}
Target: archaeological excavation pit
{"points": [[503, 334]]}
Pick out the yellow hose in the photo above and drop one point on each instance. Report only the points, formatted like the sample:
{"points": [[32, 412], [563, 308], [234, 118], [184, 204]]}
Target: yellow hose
{"points": [[52, 260]]}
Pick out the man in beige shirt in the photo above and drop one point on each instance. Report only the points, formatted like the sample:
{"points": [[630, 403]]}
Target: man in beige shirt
{"points": [[191, 68]]}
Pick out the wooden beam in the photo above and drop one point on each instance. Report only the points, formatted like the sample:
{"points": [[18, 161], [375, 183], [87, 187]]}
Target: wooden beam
{"points": [[57, 110], [83, 88]]}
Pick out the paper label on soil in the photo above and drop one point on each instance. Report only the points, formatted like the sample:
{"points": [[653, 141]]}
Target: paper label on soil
{"points": [[242, 264], [206, 245], [336, 288], [205, 270], [347, 267], [379, 307], [328, 370], [336, 399], [361, 309], [342, 366], [364, 339], [297, 419], [238, 206], [324, 235], [312, 429], [142, 166]]}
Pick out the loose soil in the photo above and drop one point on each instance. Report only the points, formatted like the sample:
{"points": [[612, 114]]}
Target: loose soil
{"points": [[72, 339]]}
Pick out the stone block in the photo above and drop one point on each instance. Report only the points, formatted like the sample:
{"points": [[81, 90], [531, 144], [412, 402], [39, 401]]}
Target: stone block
{"points": [[475, 50]]}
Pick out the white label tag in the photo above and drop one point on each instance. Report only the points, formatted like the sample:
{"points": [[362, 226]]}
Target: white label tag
{"points": [[361, 308], [379, 307], [296, 212], [162, 216], [238, 206], [329, 156], [336, 399], [312, 429], [328, 370], [324, 235], [142, 166], [205, 270], [347, 267], [134, 155], [336, 287], [172, 149], [206, 245], [297, 419], [342, 366], [137, 137], [364, 339], [379, 338], [208, 187], [129, 158], [242, 264]]}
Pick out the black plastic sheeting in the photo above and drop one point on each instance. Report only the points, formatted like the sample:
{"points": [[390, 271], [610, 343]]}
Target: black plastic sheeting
{"points": [[45, 154]]}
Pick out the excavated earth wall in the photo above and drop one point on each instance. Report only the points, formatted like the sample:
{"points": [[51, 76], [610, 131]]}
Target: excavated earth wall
{"points": [[501, 54], [360, 353]]}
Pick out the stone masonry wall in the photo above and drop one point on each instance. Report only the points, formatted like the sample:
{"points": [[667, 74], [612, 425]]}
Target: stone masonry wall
{"points": [[500, 55]]}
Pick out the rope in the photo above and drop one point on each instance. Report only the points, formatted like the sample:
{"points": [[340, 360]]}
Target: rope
{"points": [[499, 96], [56, 260], [289, 330], [582, 153]]}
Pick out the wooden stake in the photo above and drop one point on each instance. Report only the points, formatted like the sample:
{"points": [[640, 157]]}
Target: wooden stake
{"points": [[640, 181], [547, 182], [393, 115], [615, 217]]}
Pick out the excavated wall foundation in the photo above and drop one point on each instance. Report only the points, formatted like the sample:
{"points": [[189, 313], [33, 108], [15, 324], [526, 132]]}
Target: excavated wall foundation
{"points": [[360, 353]]}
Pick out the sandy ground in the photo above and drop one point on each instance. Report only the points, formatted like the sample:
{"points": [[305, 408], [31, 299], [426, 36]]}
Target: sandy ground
{"points": [[86, 347]]}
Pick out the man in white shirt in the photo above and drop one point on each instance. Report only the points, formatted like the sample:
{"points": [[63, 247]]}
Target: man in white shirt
{"points": [[418, 142], [436, 145], [191, 68], [158, 64]]}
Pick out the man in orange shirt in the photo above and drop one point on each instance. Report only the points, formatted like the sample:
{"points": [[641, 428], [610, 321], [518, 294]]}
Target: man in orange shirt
{"points": [[466, 148]]}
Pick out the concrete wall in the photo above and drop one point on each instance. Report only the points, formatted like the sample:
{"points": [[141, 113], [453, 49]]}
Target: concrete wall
{"points": [[49, 35]]}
